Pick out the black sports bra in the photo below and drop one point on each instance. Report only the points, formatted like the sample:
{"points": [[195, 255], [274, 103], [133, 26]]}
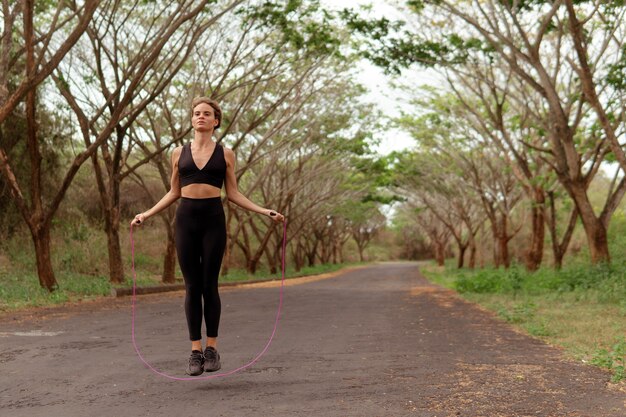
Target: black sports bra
{"points": [[212, 173]]}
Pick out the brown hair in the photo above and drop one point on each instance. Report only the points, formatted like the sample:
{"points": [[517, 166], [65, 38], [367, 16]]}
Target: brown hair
{"points": [[216, 108]]}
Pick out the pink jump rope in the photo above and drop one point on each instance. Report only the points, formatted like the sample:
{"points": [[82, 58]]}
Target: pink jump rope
{"points": [[256, 358]]}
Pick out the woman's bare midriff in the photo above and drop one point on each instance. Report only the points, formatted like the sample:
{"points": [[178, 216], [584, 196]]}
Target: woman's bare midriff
{"points": [[200, 191]]}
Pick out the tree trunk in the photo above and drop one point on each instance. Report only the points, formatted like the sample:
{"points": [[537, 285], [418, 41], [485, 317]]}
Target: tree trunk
{"points": [[595, 230], [169, 261], [112, 225], [361, 247], [497, 258], [440, 256], [472, 256], [503, 244], [39, 226], [558, 259], [461, 260], [298, 258], [252, 265], [310, 254], [472, 247], [169, 255], [559, 249], [597, 239], [534, 256], [273, 258], [41, 241]]}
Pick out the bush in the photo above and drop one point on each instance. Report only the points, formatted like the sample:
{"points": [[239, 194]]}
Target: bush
{"points": [[483, 281], [607, 283]]}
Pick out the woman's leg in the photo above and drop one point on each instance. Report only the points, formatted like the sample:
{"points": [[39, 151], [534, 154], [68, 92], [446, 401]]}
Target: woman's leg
{"points": [[213, 246], [188, 249]]}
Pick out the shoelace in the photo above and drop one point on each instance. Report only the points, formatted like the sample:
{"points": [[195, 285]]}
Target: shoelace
{"points": [[210, 354], [196, 358]]}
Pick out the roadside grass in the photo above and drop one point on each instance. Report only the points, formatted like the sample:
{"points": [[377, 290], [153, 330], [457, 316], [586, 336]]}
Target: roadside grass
{"points": [[19, 291], [80, 263], [22, 290], [580, 308]]}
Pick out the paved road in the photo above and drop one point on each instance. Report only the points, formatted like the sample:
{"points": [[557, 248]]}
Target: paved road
{"points": [[379, 341]]}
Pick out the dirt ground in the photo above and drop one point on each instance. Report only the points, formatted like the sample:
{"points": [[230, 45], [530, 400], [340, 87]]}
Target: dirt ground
{"points": [[376, 341]]}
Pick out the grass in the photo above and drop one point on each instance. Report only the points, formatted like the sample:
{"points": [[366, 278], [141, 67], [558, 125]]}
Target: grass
{"points": [[80, 262], [581, 308], [23, 290], [18, 291]]}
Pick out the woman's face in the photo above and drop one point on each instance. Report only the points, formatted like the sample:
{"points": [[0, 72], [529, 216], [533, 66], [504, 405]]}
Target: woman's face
{"points": [[203, 118]]}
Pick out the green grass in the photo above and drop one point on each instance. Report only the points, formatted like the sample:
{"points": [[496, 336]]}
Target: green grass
{"points": [[18, 291], [80, 262], [581, 308]]}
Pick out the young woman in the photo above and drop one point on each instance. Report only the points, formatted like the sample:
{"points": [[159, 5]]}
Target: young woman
{"points": [[199, 169]]}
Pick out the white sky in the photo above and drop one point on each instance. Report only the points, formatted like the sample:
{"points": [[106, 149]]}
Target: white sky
{"points": [[377, 82]]}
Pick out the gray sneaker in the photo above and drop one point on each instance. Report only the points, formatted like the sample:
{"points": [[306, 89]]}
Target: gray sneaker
{"points": [[196, 363], [211, 359]]}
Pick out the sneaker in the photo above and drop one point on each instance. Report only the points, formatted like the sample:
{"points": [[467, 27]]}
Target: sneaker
{"points": [[196, 363], [211, 359]]}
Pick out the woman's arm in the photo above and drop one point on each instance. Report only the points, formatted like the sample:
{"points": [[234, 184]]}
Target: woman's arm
{"points": [[236, 197], [172, 195]]}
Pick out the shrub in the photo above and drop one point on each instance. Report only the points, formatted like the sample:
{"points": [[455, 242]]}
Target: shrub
{"points": [[483, 281]]}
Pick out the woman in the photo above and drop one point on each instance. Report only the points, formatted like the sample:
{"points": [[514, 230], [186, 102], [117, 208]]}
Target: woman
{"points": [[199, 169]]}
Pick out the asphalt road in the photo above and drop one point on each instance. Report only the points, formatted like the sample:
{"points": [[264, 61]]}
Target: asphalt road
{"points": [[379, 341]]}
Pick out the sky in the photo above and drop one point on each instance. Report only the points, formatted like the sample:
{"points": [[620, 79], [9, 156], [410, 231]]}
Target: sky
{"points": [[380, 91]]}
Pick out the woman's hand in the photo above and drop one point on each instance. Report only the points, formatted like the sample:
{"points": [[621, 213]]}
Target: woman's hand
{"points": [[138, 220], [276, 216]]}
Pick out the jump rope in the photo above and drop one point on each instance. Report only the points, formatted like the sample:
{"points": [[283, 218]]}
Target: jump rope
{"points": [[219, 375]]}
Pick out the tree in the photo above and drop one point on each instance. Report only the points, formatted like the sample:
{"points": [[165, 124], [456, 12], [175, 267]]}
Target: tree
{"points": [[124, 78], [37, 213], [561, 50], [275, 88], [433, 183], [534, 42], [39, 63]]}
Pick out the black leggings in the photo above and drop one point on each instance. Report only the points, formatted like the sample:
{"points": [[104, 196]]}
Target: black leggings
{"points": [[200, 244]]}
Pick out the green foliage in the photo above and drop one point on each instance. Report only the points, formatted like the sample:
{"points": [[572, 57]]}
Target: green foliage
{"points": [[603, 282], [515, 279], [483, 281], [613, 359], [519, 314], [303, 25], [606, 283], [389, 46], [538, 329], [393, 48], [616, 76], [23, 290], [18, 291]]}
